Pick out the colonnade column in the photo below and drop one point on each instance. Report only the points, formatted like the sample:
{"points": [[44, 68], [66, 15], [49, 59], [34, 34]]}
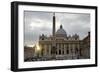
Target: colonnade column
{"points": [[61, 48], [64, 49], [78, 49], [73, 49], [57, 49], [49, 49], [69, 48], [45, 50]]}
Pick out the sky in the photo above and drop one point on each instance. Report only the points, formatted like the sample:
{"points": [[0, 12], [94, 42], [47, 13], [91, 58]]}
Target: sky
{"points": [[37, 23]]}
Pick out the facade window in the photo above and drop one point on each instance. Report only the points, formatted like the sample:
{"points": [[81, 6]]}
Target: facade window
{"points": [[62, 50], [56, 52], [59, 52], [67, 51]]}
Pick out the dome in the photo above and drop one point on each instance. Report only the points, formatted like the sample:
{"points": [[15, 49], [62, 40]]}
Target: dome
{"points": [[61, 32]]}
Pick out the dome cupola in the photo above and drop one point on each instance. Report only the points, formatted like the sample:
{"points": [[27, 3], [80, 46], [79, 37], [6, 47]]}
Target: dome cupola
{"points": [[61, 32]]}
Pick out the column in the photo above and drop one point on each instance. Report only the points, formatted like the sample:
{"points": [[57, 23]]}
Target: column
{"points": [[73, 50], [49, 50], [57, 48], [45, 50], [78, 49], [70, 55], [69, 48], [64, 49], [61, 49]]}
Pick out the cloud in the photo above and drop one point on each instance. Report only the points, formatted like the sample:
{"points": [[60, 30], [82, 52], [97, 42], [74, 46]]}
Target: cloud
{"points": [[36, 23], [75, 23]]}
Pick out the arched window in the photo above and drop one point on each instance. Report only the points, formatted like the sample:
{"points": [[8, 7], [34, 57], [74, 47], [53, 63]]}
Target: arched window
{"points": [[67, 51], [59, 52], [56, 52], [62, 50]]}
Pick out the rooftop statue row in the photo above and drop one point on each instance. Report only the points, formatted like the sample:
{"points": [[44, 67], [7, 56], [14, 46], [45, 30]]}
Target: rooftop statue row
{"points": [[61, 33]]}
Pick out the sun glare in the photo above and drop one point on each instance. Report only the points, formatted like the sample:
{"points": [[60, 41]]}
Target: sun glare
{"points": [[38, 47]]}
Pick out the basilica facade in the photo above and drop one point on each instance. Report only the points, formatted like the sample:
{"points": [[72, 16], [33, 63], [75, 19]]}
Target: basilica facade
{"points": [[62, 46], [58, 46]]}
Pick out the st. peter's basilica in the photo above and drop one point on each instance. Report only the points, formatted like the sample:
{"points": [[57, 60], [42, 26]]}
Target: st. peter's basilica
{"points": [[60, 46]]}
